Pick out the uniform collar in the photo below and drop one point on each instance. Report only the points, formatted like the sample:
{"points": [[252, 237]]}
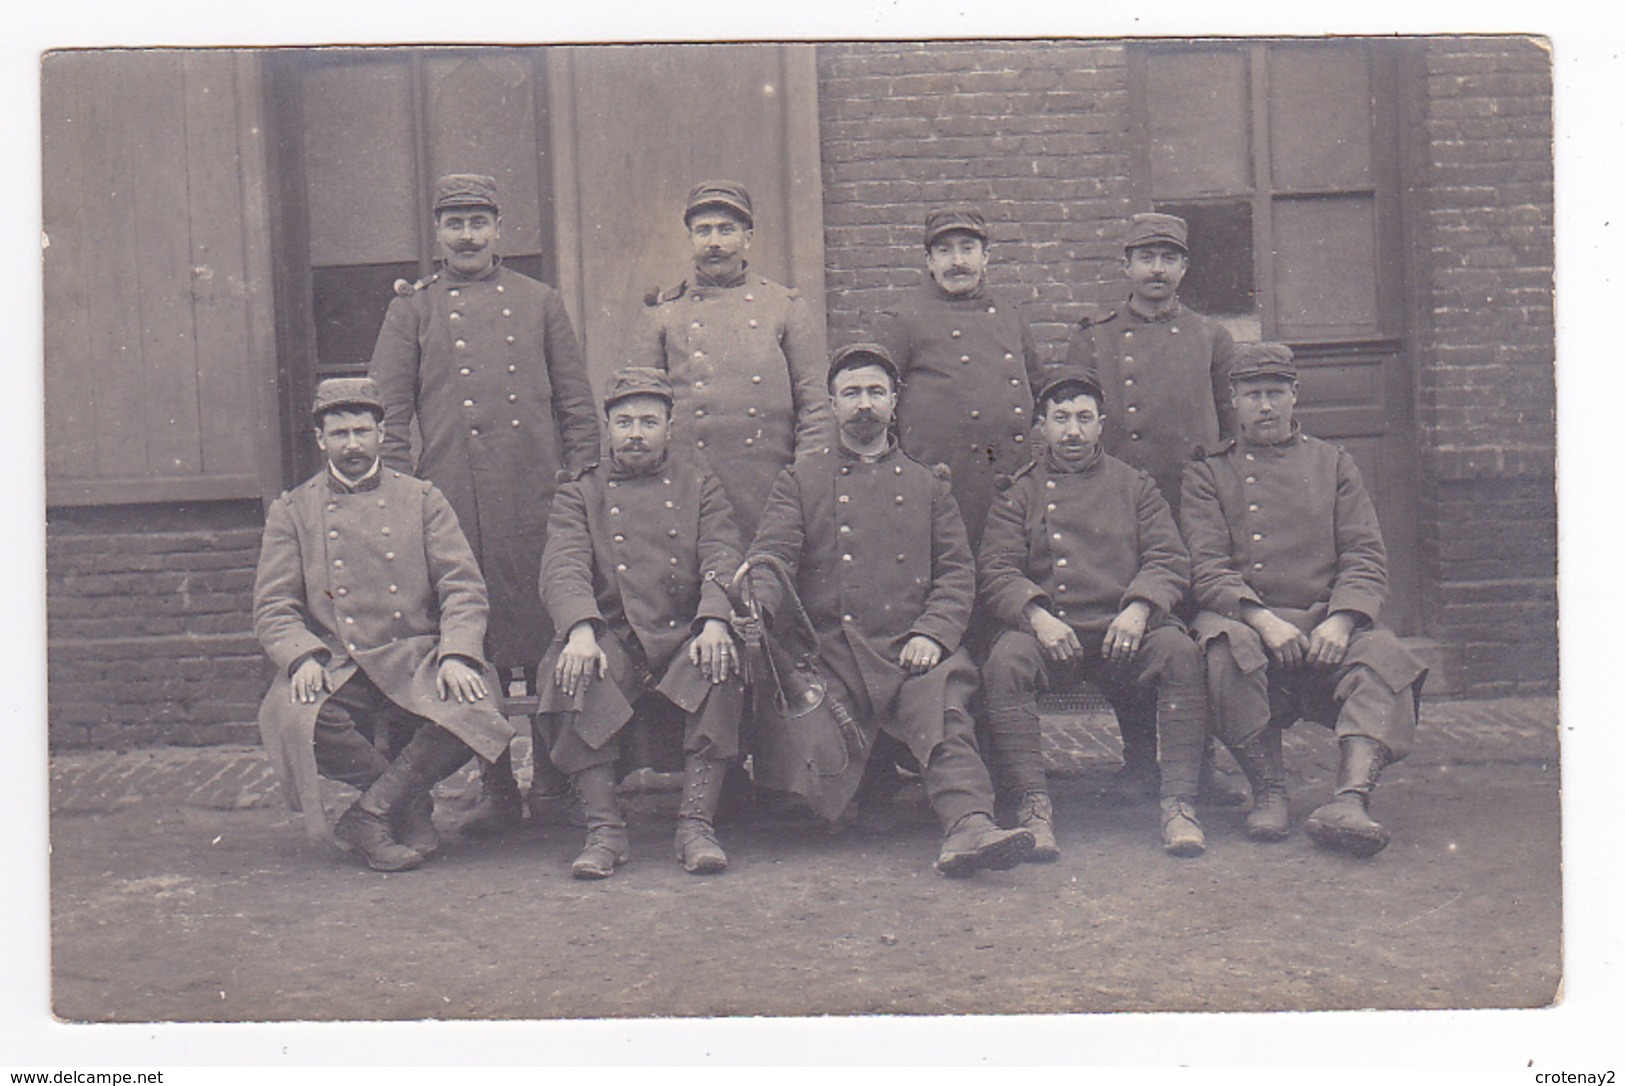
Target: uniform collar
{"points": [[618, 472], [338, 484], [1055, 465], [451, 273], [735, 280], [1161, 318]]}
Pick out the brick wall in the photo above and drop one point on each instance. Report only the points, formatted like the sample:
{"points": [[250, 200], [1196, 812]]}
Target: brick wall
{"points": [[148, 620], [1034, 133], [1481, 232]]}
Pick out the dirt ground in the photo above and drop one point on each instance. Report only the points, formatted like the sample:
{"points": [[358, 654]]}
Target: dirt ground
{"points": [[166, 912]]}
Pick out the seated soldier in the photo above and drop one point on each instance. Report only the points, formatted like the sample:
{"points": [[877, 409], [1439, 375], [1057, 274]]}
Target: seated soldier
{"points": [[637, 554], [874, 544], [369, 600], [1082, 562], [1289, 569]]}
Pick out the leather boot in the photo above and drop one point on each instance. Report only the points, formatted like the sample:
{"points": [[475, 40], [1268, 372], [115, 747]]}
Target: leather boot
{"points": [[500, 807], [607, 846], [1345, 823], [552, 802], [1181, 833], [413, 826], [1214, 787], [1036, 815], [1260, 759], [975, 842], [432, 754], [696, 842]]}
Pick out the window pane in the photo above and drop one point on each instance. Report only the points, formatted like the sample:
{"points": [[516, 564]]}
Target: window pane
{"points": [[1220, 280], [1199, 122], [358, 163], [1320, 116], [482, 119], [1326, 265]]}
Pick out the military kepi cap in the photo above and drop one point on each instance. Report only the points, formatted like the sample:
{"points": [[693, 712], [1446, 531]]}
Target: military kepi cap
{"points": [[1065, 382], [945, 219], [727, 194], [629, 381], [346, 392], [1155, 228], [856, 355], [1263, 360], [465, 190]]}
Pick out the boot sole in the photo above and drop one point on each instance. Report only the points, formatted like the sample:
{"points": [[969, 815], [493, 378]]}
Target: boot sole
{"points": [[379, 865], [1268, 833], [1184, 848], [1005, 854], [1339, 839], [706, 867]]}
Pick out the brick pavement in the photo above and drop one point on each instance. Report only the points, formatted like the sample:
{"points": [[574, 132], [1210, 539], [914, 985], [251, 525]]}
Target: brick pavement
{"points": [[1078, 736]]}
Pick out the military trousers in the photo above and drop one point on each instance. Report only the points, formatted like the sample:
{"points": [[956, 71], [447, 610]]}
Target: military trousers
{"points": [[587, 730], [349, 726], [1352, 699], [956, 779], [1166, 672]]}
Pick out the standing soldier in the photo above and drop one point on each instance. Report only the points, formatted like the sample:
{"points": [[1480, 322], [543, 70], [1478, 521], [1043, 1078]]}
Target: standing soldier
{"points": [[1165, 372], [1289, 568], [875, 545], [968, 364], [637, 553], [487, 362], [368, 600], [744, 354], [1083, 564]]}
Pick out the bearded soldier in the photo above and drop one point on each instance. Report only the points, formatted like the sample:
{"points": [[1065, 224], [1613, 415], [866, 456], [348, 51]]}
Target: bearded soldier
{"points": [[875, 545], [638, 551]]}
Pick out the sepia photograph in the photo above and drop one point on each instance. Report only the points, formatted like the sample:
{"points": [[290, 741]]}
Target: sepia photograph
{"points": [[878, 528]]}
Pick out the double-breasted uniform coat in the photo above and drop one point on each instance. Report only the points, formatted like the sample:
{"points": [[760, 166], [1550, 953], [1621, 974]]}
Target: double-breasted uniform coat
{"points": [[377, 580], [1167, 386], [644, 558], [1291, 527], [879, 555], [1084, 542], [747, 366], [490, 368], [969, 367]]}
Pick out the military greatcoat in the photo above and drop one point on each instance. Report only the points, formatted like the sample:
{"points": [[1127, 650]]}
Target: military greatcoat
{"points": [[969, 367], [1082, 543], [380, 580], [1290, 527], [492, 372], [1167, 386], [879, 554], [644, 557], [747, 365]]}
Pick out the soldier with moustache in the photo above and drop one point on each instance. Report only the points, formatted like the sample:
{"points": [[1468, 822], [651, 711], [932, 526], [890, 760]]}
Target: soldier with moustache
{"points": [[486, 361], [968, 363], [1164, 370], [369, 601], [638, 552], [1290, 572], [877, 551], [1083, 565], [744, 354]]}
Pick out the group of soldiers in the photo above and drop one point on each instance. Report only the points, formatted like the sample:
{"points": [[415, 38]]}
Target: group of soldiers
{"points": [[945, 527]]}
